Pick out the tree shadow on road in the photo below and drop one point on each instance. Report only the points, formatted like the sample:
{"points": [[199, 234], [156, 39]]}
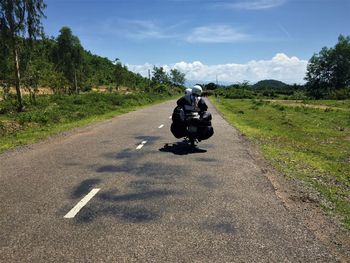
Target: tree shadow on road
{"points": [[181, 148], [142, 206], [85, 187], [124, 213], [150, 139], [144, 196]]}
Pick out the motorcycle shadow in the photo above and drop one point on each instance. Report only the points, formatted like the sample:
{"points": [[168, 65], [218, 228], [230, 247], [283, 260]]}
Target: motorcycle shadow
{"points": [[181, 148]]}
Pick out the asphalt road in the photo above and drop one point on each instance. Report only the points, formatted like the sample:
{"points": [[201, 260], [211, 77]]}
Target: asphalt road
{"points": [[159, 203]]}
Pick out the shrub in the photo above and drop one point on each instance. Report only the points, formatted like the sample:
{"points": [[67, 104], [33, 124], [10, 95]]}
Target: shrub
{"points": [[258, 102], [78, 101], [279, 107]]}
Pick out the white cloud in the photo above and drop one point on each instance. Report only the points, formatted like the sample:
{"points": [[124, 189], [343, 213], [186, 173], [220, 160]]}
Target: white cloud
{"points": [[215, 34], [144, 29], [141, 69], [136, 29], [253, 4], [280, 67]]}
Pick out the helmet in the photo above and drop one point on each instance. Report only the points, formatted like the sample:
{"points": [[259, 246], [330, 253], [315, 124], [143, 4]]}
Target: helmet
{"points": [[188, 91], [197, 90]]}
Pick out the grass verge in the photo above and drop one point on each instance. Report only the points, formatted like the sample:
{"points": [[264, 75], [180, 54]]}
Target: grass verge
{"points": [[53, 114], [309, 144], [343, 105]]}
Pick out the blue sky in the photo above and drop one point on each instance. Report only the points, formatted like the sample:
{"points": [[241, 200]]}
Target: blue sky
{"points": [[235, 40]]}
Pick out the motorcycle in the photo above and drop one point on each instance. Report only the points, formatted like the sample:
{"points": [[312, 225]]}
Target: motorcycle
{"points": [[192, 126]]}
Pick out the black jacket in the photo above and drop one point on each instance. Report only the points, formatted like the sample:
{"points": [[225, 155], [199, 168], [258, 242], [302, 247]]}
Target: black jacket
{"points": [[191, 103]]}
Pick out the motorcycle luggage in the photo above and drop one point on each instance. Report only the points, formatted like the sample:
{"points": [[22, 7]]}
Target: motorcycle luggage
{"points": [[192, 129], [178, 115], [205, 133], [178, 130], [206, 116], [205, 123]]}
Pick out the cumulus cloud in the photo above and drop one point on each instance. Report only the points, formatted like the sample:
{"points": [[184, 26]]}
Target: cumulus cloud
{"points": [[215, 34], [253, 4], [141, 69], [280, 67]]}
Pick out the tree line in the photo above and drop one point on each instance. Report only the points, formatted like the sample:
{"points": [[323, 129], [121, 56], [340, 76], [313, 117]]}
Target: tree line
{"points": [[29, 59], [327, 77]]}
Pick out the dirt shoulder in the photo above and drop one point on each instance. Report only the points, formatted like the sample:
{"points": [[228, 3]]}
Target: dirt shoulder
{"points": [[304, 204]]}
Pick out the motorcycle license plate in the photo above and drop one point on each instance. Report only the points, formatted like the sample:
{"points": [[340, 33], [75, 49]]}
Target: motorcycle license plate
{"points": [[192, 129]]}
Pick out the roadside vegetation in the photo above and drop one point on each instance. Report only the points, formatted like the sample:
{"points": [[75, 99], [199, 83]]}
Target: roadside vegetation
{"points": [[56, 113], [302, 130], [51, 84], [309, 144], [327, 78], [339, 104]]}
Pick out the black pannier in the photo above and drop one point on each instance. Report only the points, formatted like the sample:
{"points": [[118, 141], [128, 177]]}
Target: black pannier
{"points": [[205, 123], [178, 115], [205, 119], [206, 116], [178, 129], [205, 133]]}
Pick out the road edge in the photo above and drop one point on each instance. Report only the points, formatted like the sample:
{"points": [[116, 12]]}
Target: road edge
{"points": [[72, 131], [295, 197]]}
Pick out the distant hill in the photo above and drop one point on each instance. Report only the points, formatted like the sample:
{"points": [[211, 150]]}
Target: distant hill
{"points": [[270, 84]]}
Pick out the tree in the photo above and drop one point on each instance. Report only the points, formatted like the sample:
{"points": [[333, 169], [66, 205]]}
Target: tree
{"points": [[119, 75], [211, 86], [19, 17], [57, 82], [68, 57], [341, 62], [329, 70], [177, 77], [31, 81], [319, 73], [4, 66], [160, 76]]}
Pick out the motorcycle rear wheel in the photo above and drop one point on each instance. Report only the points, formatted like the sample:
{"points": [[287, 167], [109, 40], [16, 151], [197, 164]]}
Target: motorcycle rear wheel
{"points": [[192, 142]]}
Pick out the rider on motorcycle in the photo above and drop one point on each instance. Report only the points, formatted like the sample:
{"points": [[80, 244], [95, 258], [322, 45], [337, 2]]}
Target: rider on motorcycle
{"points": [[188, 91], [191, 119], [193, 102]]}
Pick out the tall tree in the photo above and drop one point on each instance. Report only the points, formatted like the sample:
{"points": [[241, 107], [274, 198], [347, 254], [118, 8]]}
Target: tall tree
{"points": [[159, 75], [211, 86], [5, 68], [329, 70], [177, 77], [119, 75], [68, 56], [17, 18], [341, 62], [319, 73]]}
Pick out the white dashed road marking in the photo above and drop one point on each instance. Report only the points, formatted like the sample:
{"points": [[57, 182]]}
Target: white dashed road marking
{"points": [[72, 213], [141, 145], [161, 126]]}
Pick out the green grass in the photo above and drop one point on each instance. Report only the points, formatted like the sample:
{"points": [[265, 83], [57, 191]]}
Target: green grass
{"points": [[332, 104], [54, 114], [344, 104], [312, 145]]}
